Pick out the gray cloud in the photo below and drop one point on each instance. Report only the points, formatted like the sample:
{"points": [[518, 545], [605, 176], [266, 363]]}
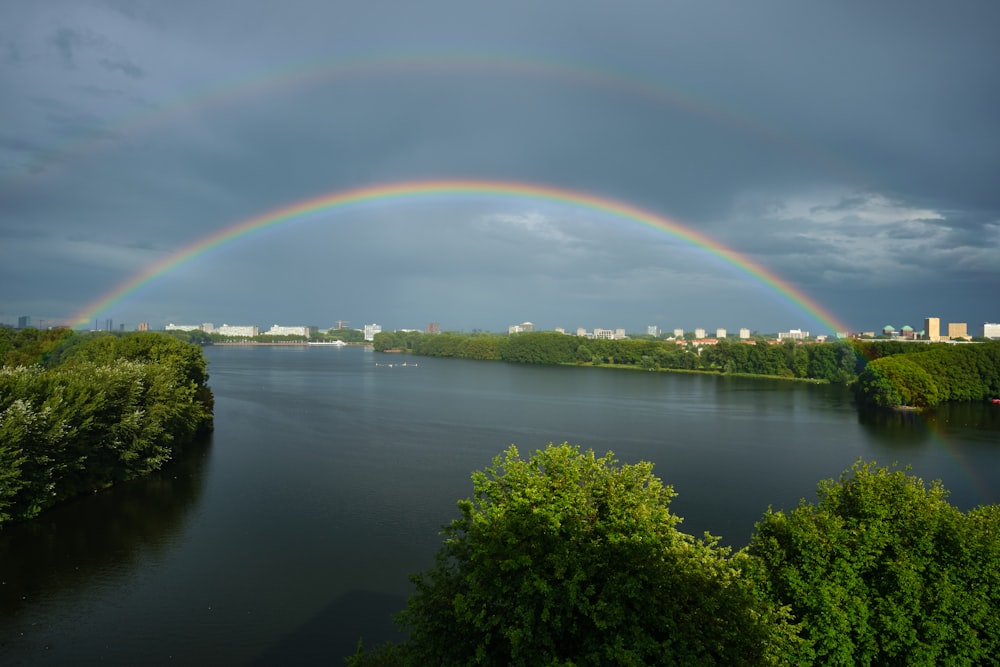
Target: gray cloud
{"points": [[839, 146], [126, 67]]}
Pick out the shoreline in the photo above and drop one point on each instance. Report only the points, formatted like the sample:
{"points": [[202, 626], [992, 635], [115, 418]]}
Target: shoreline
{"points": [[280, 343]]}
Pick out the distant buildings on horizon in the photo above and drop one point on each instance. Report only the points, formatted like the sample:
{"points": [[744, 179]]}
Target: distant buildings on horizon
{"points": [[932, 331]]}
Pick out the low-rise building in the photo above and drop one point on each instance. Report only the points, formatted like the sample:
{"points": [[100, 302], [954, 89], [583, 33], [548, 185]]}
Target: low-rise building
{"points": [[278, 330], [245, 331], [793, 334]]}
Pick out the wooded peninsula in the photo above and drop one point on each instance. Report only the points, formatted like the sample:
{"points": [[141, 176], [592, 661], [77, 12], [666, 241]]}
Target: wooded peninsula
{"points": [[882, 373], [82, 411]]}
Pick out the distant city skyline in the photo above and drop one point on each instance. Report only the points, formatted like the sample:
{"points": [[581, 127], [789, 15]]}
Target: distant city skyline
{"points": [[951, 328]]}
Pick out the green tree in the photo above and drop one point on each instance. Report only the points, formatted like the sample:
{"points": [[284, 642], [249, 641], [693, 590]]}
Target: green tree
{"points": [[565, 558], [897, 380], [883, 570]]}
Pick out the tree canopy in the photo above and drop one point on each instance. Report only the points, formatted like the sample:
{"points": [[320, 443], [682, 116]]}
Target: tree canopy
{"points": [[114, 407], [883, 570], [565, 558], [925, 375]]}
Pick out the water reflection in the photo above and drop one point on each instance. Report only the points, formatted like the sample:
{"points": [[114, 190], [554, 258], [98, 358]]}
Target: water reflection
{"points": [[897, 428], [68, 546]]}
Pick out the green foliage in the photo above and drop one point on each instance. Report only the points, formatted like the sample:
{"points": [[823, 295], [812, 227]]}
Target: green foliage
{"points": [[26, 347], [564, 558], [834, 362], [883, 570], [117, 407], [540, 347], [930, 374]]}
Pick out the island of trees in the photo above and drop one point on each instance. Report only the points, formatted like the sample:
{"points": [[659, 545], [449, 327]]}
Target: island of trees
{"points": [[564, 558], [80, 412], [885, 374]]}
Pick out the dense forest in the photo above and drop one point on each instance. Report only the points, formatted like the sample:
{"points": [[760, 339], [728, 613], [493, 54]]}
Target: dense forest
{"points": [[883, 373], [563, 558], [923, 376], [80, 411], [832, 362]]}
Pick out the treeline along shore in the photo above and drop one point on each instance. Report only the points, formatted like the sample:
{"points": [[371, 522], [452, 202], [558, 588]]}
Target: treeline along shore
{"points": [[82, 411], [884, 374]]}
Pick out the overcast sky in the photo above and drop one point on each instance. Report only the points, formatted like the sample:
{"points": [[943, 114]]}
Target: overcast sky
{"points": [[851, 148]]}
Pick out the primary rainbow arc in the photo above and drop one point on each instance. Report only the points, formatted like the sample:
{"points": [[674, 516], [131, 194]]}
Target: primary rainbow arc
{"points": [[414, 189]]}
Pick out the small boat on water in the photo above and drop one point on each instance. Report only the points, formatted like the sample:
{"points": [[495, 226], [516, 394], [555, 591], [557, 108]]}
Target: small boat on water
{"points": [[335, 343], [995, 401]]}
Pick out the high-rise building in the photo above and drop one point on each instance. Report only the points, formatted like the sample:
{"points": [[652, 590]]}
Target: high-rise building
{"points": [[371, 330], [744, 333], [653, 330], [433, 328], [720, 333], [699, 333], [957, 330], [678, 333], [24, 321], [932, 325], [991, 330], [143, 326]]}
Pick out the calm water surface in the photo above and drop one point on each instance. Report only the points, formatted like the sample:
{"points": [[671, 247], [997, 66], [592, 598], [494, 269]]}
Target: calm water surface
{"points": [[291, 532]]}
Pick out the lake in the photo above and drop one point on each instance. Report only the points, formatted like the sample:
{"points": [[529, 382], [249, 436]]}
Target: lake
{"points": [[290, 532]]}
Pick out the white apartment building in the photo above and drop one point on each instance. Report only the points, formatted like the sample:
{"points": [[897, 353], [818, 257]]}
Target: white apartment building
{"points": [[278, 330], [744, 333], [237, 330], [991, 330], [720, 333], [699, 333], [653, 330], [371, 330], [604, 334], [793, 334], [520, 328], [678, 333], [182, 327]]}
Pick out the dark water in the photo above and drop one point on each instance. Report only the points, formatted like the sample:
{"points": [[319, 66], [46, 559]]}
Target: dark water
{"points": [[291, 532]]}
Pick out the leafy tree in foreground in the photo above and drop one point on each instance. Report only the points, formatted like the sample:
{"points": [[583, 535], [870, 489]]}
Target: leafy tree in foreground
{"points": [[564, 558], [883, 570]]}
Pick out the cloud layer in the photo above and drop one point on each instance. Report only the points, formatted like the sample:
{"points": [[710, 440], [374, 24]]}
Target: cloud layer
{"points": [[850, 149]]}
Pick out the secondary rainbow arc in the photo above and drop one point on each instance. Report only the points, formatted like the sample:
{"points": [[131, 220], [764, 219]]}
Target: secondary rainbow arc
{"points": [[364, 67], [414, 189]]}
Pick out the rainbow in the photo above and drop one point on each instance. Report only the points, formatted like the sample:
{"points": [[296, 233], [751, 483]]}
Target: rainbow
{"points": [[418, 189]]}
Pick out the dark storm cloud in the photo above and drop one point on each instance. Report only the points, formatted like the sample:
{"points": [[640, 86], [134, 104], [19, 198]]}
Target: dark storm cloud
{"points": [[126, 67], [839, 145]]}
